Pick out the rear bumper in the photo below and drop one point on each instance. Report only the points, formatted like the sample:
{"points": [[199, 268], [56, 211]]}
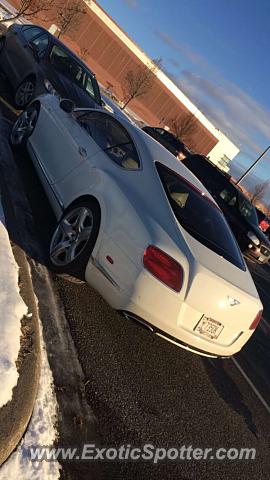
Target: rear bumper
{"points": [[188, 340], [170, 338], [169, 315]]}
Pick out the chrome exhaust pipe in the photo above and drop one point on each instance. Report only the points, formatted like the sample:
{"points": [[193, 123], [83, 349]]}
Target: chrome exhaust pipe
{"points": [[131, 316]]}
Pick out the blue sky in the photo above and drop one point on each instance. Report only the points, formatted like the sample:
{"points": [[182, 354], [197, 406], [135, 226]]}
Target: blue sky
{"points": [[218, 53]]}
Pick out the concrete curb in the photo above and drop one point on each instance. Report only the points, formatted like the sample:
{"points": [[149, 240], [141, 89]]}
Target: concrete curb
{"points": [[15, 415]]}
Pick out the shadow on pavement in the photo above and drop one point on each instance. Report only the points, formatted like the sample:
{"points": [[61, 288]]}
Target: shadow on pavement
{"points": [[227, 389]]}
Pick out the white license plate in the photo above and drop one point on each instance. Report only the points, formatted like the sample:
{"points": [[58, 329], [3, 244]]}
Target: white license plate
{"points": [[261, 258], [209, 328]]}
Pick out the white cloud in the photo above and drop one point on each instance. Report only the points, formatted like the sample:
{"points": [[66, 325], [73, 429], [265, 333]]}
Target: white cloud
{"points": [[131, 3], [182, 48], [231, 109]]}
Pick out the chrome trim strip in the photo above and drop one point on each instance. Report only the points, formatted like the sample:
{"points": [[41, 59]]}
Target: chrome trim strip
{"points": [[104, 272]]}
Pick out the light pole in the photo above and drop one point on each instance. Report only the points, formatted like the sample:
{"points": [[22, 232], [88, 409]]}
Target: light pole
{"points": [[252, 166]]}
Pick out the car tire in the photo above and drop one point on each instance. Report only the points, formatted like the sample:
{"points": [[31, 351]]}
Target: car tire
{"points": [[25, 93], [74, 239], [24, 126]]}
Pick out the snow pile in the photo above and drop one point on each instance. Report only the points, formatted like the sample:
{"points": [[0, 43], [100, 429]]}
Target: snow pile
{"points": [[12, 309], [41, 432]]}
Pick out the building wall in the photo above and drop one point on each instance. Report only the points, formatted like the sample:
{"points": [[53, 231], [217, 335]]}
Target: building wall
{"points": [[223, 152]]}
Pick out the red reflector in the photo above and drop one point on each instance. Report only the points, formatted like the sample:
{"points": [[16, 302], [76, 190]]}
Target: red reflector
{"points": [[256, 320], [163, 267], [110, 260]]}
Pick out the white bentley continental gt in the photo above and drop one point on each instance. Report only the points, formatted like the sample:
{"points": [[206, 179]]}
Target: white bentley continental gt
{"points": [[139, 227]]}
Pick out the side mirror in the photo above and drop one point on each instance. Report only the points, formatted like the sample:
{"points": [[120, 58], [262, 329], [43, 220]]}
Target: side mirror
{"points": [[67, 105]]}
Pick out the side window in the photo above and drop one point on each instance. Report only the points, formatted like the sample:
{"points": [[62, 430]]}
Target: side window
{"points": [[31, 32], [229, 197], [89, 87], [160, 131], [59, 59], [64, 63], [109, 134], [41, 43]]}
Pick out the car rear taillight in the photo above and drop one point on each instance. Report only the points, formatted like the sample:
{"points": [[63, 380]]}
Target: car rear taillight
{"points": [[163, 267], [256, 320]]}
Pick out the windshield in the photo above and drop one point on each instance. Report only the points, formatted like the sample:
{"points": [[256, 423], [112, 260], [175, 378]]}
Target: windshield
{"points": [[233, 198], [247, 210], [220, 187], [199, 216]]}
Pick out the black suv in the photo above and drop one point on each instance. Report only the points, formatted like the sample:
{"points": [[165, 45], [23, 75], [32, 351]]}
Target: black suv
{"points": [[35, 62], [169, 141], [238, 210]]}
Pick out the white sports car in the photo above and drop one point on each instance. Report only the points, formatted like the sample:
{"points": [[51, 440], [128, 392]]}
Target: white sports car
{"points": [[139, 227]]}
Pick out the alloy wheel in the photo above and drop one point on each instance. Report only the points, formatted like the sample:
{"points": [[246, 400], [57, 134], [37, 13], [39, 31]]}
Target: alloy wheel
{"points": [[24, 126], [24, 93], [71, 236]]}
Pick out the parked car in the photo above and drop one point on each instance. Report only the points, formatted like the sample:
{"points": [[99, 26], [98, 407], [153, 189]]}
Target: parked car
{"points": [[139, 227], [36, 62], [238, 210], [169, 141]]}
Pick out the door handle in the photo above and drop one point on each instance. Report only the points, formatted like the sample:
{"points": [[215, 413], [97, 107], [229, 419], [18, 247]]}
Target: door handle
{"points": [[82, 152]]}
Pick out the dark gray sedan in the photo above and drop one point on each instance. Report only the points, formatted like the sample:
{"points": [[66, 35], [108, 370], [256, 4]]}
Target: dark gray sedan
{"points": [[36, 62]]}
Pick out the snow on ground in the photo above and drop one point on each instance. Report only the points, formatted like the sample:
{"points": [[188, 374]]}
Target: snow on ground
{"points": [[40, 432], [12, 309]]}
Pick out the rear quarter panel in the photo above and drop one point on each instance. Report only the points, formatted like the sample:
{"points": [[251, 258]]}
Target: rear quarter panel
{"points": [[130, 220]]}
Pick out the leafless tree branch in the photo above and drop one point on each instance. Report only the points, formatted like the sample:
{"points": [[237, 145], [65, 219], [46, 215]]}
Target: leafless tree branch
{"points": [[259, 191], [70, 16], [183, 127], [139, 81], [30, 8], [84, 53]]}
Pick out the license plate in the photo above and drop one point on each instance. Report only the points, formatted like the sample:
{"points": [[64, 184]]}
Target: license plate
{"points": [[209, 328], [261, 258]]}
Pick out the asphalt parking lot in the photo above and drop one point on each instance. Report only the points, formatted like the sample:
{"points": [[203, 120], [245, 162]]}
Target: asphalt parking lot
{"points": [[145, 390]]}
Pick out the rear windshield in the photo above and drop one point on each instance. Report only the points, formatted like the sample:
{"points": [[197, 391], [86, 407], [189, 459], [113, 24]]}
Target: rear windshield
{"points": [[199, 216], [172, 140]]}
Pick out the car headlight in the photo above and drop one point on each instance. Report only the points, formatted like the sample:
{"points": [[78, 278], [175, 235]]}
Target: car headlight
{"points": [[49, 87], [253, 238]]}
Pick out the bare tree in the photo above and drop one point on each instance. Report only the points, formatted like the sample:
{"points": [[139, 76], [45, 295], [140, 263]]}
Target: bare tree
{"points": [[70, 16], [259, 191], [183, 127], [267, 211], [30, 8], [139, 81], [84, 53]]}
